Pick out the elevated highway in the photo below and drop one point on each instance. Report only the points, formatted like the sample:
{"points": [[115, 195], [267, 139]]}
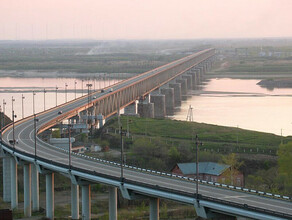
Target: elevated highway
{"points": [[38, 156]]}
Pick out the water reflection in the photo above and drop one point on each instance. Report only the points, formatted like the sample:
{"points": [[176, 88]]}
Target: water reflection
{"points": [[234, 102], [17, 87]]}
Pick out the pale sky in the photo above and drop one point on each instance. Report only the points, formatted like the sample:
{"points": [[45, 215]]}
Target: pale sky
{"points": [[144, 19]]}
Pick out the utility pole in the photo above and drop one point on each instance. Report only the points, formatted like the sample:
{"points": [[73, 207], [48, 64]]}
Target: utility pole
{"points": [[45, 99], [66, 85], [197, 167], [33, 103], [190, 114], [122, 153], [13, 130], [22, 98], [56, 95], [82, 86], [69, 150], [35, 120], [75, 88]]}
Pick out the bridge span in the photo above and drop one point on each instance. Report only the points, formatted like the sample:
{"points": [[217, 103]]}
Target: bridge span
{"points": [[38, 157]]}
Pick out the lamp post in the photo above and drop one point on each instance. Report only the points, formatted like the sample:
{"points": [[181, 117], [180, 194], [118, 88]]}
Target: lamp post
{"points": [[82, 86], [13, 116], [22, 107], [122, 153], [45, 99], [56, 95], [66, 85], [35, 120], [3, 122], [69, 150], [0, 123], [88, 91], [33, 103], [75, 83], [197, 166]]}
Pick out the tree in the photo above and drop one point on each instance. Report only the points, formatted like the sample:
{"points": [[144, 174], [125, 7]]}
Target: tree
{"points": [[285, 166], [232, 160]]}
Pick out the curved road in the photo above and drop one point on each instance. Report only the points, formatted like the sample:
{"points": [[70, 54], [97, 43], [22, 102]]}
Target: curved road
{"points": [[24, 133]]}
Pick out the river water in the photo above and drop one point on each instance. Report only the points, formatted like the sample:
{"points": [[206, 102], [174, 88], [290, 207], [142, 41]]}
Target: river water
{"points": [[240, 103], [228, 102]]}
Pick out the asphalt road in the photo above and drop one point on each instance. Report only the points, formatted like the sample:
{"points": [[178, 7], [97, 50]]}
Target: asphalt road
{"points": [[24, 133]]}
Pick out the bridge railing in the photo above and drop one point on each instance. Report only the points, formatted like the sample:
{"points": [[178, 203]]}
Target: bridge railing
{"points": [[146, 185]]}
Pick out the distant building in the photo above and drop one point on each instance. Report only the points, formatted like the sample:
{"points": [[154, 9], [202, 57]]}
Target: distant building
{"points": [[209, 171]]}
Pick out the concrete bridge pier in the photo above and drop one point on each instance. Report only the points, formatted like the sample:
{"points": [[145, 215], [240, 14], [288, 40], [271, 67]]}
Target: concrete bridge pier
{"points": [[14, 187], [6, 179], [154, 209], [131, 109], [86, 202], [100, 120], [35, 188], [177, 93], [50, 195], [159, 105], [193, 75], [146, 110], [74, 201], [113, 201], [189, 81], [184, 89], [169, 100], [27, 189]]}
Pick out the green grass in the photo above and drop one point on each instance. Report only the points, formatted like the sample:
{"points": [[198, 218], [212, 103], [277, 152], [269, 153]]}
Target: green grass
{"points": [[213, 136]]}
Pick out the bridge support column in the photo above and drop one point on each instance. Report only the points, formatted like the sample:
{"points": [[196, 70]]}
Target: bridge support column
{"points": [[100, 120], [159, 105], [113, 214], [194, 81], [177, 93], [86, 202], [14, 186], [50, 195], [189, 81], [183, 83], [154, 209], [6, 179], [169, 100], [146, 110], [131, 109], [74, 201], [199, 72], [35, 188], [27, 189]]}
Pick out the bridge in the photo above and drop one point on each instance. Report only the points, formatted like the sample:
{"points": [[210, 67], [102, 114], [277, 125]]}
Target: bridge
{"points": [[167, 85]]}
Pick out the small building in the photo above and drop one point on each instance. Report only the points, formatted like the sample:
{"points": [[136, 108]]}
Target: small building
{"points": [[209, 171]]}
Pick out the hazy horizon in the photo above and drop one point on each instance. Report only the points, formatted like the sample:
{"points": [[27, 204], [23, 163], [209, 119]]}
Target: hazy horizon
{"points": [[139, 20]]}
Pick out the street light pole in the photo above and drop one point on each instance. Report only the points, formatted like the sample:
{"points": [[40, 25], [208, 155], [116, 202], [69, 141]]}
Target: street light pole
{"points": [[82, 86], [122, 154], [69, 136], [3, 122], [13, 116], [75, 88], [33, 105], [197, 166], [66, 85], [88, 91], [56, 95], [22, 98], [35, 120], [45, 99]]}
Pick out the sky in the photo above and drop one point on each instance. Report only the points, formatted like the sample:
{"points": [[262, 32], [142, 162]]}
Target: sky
{"points": [[144, 19]]}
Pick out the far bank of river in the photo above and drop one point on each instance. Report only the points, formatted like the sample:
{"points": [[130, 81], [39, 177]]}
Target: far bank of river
{"points": [[240, 103]]}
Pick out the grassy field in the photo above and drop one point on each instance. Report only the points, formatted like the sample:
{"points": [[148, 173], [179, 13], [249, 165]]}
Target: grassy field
{"points": [[213, 136]]}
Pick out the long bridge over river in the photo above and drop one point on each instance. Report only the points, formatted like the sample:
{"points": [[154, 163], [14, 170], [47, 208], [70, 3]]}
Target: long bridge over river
{"points": [[167, 84]]}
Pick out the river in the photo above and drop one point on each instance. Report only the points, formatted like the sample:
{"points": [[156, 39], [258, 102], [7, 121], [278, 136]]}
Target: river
{"points": [[228, 102], [240, 103]]}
